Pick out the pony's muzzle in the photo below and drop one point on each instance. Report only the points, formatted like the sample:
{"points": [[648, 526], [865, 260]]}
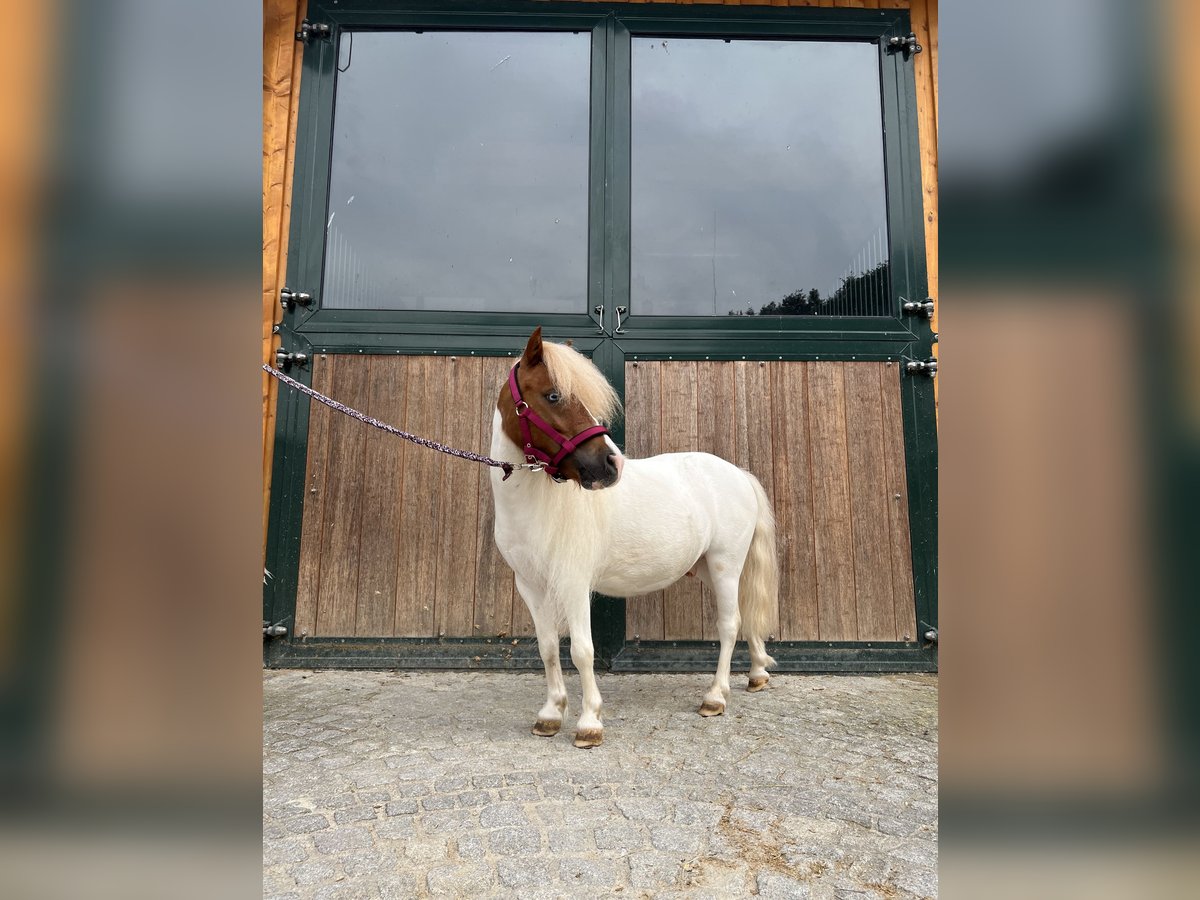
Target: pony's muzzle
{"points": [[601, 473]]}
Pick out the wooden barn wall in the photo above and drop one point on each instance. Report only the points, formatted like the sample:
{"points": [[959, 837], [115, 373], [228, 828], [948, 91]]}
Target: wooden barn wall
{"points": [[281, 103], [826, 441], [396, 540], [281, 89]]}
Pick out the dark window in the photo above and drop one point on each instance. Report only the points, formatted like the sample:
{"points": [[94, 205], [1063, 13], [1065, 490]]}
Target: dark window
{"points": [[460, 172], [757, 179]]}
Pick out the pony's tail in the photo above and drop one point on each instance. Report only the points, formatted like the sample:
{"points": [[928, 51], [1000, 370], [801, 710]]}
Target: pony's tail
{"points": [[758, 590]]}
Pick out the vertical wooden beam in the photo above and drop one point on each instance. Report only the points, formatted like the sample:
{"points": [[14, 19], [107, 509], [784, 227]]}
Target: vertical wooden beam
{"points": [[421, 512], [308, 583], [798, 611], [493, 578], [832, 528], [876, 614], [897, 494], [682, 607], [281, 104], [383, 474], [643, 431], [716, 433], [343, 504], [755, 431]]}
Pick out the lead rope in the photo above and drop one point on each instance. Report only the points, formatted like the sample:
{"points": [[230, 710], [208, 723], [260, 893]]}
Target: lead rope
{"points": [[390, 429]]}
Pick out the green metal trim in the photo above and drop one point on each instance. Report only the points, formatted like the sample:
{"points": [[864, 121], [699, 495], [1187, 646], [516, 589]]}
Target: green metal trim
{"points": [[790, 656], [450, 333]]}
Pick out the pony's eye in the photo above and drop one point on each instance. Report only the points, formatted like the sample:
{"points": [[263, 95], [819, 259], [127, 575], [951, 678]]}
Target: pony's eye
{"points": [[554, 396]]}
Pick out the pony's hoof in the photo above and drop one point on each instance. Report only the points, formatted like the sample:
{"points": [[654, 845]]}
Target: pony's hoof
{"points": [[758, 684], [546, 728], [709, 708], [587, 738]]}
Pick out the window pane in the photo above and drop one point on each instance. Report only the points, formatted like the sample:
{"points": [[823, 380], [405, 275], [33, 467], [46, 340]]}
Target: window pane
{"points": [[758, 179], [460, 172]]}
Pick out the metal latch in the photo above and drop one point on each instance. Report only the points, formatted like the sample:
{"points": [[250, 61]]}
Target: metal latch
{"points": [[930, 634], [287, 360], [907, 45], [289, 298], [309, 30], [272, 631], [921, 366], [919, 307]]}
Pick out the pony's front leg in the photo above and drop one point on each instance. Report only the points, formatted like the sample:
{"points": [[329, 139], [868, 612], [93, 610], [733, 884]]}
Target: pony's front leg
{"points": [[589, 731], [549, 719]]}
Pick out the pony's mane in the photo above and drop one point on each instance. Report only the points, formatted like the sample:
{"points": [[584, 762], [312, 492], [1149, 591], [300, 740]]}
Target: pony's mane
{"points": [[574, 375]]}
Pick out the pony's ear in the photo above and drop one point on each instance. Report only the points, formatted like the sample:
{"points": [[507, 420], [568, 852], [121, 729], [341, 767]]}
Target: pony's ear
{"points": [[533, 350]]}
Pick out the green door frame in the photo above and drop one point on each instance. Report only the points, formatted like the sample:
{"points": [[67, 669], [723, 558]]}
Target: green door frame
{"points": [[314, 330]]}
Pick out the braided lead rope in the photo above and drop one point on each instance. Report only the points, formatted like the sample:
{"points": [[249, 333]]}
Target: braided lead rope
{"points": [[383, 426]]}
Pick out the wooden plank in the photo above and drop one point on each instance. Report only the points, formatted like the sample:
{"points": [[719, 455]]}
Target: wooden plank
{"points": [[798, 616], [493, 578], [682, 607], [309, 580], [754, 438], [927, 136], [833, 541], [900, 546], [281, 103], [454, 592], [420, 511], [643, 433], [338, 593], [383, 488], [869, 502], [716, 432]]}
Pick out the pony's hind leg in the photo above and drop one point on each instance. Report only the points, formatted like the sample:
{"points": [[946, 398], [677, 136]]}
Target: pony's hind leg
{"points": [[725, 586], [549, 719], [759, 660]]}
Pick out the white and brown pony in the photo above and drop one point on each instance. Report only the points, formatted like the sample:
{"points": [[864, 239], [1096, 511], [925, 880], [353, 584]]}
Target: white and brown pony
{"points": [[595, 521]]}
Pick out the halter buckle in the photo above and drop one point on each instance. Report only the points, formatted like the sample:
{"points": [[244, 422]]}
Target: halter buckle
{"points": [[521, 412]]}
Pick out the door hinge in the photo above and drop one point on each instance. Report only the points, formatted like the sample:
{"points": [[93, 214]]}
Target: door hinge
{"points": [[930, 634], [907, 45], [921, 366], [273, 631], [309, 30], [286, 360], [919, 307], [289, 298]]}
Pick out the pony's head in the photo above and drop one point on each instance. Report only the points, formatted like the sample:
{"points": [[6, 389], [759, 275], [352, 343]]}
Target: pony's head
{"points": [[568, 392]]}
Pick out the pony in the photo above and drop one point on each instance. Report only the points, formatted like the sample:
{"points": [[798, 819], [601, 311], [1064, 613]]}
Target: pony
{"points": [[593, 520]]}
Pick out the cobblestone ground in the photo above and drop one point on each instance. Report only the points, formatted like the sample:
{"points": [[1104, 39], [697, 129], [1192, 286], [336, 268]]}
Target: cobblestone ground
{"points": [[386, 785]]}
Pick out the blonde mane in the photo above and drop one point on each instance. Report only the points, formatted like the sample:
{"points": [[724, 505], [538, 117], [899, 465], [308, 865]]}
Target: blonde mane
{"points": [[574, 375]]}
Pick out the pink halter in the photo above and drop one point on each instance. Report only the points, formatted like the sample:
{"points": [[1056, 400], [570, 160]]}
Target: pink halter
{"points": [[527, 417]]}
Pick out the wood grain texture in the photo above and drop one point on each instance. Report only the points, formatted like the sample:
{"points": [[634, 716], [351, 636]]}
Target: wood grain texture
{"points": [[421, 512], [643, 432], [281, 103], [798, 616], [868, 503], [458, 540], [682, 606], [833, 540], [383, 480], [344, 487], [716, 433], [754, 440], [312, 523], [897, 495], [493, 577], [924, 73]]}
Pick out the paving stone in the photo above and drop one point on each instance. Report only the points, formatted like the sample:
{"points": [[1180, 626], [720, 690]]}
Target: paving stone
{"points": [[377, 784], [339, 839], [499, 814], [515, 841], [469, 880]]}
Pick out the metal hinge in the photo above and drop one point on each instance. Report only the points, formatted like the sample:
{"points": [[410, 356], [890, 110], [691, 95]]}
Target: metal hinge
{"points": [[919, 307], [273, 631], [907, 45], [921, 366], [309, 30], [287, 360], [288, 297]]}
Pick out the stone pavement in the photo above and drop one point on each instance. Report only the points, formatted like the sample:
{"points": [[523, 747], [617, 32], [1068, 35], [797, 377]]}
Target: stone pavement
{"points": [[396, 785]]}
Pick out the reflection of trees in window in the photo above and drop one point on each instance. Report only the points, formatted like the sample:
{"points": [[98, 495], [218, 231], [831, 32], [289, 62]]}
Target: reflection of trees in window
{"points": [[865, 294]]}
